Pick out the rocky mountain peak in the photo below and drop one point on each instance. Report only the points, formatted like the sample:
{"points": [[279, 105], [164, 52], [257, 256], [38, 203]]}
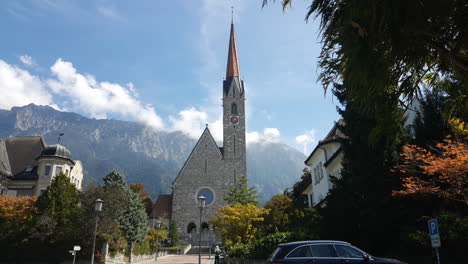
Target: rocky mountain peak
{"points": [[143, 154]]}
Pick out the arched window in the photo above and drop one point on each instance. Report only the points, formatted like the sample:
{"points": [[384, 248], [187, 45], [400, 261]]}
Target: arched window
{"points": [[234, 109], [205, 227], [191, 228]]}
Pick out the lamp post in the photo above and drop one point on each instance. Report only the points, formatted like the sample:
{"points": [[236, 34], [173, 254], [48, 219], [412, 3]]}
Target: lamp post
{"points": [[97, 208], [201, 204], [158, 225]]}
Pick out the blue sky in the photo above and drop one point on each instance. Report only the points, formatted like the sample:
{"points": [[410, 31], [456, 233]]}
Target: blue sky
{"points": [[163, 62]]}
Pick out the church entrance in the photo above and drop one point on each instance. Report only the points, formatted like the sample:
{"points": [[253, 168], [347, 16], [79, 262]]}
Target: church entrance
{"points": [[207, 236]]}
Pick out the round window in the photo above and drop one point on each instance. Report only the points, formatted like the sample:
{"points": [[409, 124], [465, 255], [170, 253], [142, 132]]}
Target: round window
{"points": [[208, 194]]}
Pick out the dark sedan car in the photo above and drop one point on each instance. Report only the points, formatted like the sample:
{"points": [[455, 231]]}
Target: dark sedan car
{"points": [[323, 252]]}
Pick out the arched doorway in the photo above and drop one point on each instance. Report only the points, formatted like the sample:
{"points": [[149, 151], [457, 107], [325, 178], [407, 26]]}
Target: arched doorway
{"points": [[192, 228]]}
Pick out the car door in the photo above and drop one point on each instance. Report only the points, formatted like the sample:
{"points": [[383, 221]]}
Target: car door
{"points": [[323, 254], [348, 254], [299, 255]]}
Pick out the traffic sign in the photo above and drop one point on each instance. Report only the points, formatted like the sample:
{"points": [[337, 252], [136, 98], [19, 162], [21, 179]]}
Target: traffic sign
{"points": [[434, 232], [76, 248]]}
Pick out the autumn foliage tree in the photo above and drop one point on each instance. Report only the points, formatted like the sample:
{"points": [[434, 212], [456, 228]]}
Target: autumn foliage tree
{"points": [[16, 214], [236, 224], [442, 171]]}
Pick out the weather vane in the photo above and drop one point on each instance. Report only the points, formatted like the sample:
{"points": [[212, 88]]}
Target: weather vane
{"points": [[58, 139]]}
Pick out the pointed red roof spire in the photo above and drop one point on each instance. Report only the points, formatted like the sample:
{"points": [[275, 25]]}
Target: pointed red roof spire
{"points": [[232, 69]]}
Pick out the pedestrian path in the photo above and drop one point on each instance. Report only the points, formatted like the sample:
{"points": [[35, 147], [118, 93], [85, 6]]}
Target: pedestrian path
{"points": [[184, 259]]}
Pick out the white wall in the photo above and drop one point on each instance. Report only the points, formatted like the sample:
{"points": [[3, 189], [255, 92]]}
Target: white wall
{"points": [[322, 186], [54, 163]]}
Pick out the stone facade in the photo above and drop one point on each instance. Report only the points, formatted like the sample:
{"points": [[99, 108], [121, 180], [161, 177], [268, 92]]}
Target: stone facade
{"points": [[210, 170]]}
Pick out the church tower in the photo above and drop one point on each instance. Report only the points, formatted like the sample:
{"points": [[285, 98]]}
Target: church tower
{"points": [[234, 149], [211, 170]]}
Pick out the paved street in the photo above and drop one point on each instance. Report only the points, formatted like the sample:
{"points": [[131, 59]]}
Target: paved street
{"points": [[184, 259]]}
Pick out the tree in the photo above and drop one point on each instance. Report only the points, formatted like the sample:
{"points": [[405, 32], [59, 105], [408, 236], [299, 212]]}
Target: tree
{"points": [[379, 48], [155, 236], [362, 195], [133, 221], [300, 200], [123, 214], [235, 223], [280, 207], [115, 178], [16, 215], [132, 217], [242, 193], [442, 171], [139, 188], [173, 234], [59, 205]]}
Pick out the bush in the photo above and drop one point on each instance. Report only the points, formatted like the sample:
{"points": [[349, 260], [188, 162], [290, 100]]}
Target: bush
{"points": [[261, 248], [240, 251]]}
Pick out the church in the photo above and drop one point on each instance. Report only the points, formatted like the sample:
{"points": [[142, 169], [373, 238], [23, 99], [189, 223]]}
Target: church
{"points": [[211, 170]]}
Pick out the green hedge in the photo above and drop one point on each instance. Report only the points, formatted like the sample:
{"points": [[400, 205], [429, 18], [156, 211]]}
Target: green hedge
{"points": [[261, 248]]}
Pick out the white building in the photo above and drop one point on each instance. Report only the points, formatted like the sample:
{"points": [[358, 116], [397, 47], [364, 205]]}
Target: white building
{"points": [[32, 165], [324, 162]]}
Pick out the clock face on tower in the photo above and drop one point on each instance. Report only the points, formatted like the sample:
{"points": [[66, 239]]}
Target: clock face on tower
{"points": [[234, 120]]}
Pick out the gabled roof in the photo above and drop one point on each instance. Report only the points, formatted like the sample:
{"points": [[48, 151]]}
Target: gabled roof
{"points": [[23, 151], [334, 135], [163, 207], [206, 133]]}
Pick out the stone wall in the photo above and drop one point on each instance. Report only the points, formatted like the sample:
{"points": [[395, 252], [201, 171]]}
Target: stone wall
{"points": [[122, 259], [203, 169]]}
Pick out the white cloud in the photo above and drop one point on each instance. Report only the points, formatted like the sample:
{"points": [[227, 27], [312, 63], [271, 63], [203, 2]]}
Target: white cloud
{"points": [[270, 135], [99, 99], [27, 60], [192, 122], [305, 140], [20, 88]]}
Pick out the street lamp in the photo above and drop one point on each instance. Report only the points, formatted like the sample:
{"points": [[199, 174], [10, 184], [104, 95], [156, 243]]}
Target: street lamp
{"points": [[201, 205], [97, 208], [158, 225]]}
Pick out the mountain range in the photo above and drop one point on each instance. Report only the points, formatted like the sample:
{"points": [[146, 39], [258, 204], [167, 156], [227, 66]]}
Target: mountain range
{"points": [[141, 153]]}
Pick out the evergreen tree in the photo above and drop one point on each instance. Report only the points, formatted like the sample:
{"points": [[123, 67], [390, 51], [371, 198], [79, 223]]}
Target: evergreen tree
{"points": [[124, 212], [134, 220], [139, 188], [115, 178], [173, 234], [359, 207], [241, 193]]}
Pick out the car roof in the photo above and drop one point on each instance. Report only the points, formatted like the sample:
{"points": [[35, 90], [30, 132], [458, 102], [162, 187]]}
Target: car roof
{"points": [[314, 242]]}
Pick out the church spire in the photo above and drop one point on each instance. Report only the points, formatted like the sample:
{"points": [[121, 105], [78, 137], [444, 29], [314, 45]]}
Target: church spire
{"points": [[232, 69]]}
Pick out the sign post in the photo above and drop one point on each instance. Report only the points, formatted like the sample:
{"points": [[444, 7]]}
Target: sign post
{"points": [[73, 252], [435, 236]]}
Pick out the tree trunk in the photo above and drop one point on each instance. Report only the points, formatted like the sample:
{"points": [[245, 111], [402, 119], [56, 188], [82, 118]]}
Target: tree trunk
{"points": [[130, 251]]}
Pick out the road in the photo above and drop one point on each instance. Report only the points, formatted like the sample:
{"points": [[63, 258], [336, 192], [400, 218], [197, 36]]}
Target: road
{"points": [[184, 259]]}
